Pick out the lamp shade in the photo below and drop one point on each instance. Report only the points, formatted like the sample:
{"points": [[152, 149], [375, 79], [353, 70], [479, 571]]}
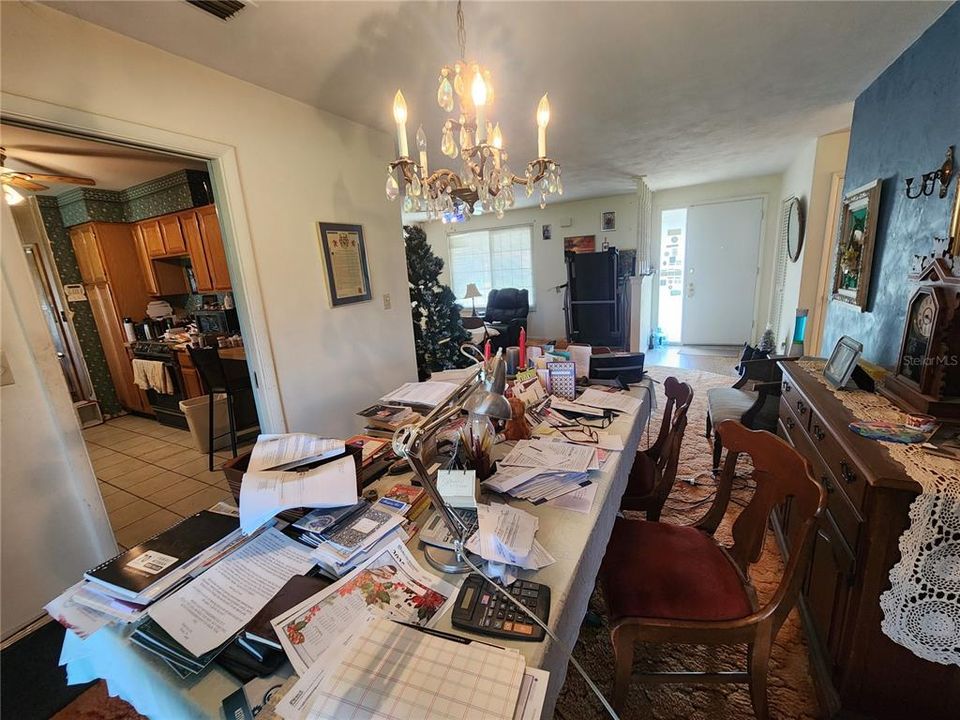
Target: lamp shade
{"points": [[472, 291]]}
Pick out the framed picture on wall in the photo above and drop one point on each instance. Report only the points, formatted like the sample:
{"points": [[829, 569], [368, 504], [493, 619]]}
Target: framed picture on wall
{"points": [[855, 245], [345, 258], [547, 231], [580, 243], [608, 221]]}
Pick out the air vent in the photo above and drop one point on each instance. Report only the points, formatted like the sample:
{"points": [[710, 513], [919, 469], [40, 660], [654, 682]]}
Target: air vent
{"points": [[223, 9]]}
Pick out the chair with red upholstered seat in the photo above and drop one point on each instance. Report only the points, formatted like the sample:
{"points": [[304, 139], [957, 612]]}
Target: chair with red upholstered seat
{"points": [[655, 469], [675, 584]]}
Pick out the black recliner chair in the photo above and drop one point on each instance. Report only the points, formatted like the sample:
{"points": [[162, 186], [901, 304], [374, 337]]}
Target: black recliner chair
{"points": [[507, 310]]}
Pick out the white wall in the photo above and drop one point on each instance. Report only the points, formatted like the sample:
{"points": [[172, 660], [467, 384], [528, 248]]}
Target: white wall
{"points": [[766, 187], [809, 178], [51, 529], [581, 217], [298, 165]]}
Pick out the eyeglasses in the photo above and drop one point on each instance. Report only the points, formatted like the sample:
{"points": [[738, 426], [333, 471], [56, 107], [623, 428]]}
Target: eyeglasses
{"points": [[571, 432]]}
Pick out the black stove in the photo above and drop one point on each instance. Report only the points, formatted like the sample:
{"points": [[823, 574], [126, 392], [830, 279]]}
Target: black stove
{"points": [[166, 406]]}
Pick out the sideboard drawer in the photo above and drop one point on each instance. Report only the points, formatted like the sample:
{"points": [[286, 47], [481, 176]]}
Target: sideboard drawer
{"points": [[798, 405], [849, 478], [793, 424]]}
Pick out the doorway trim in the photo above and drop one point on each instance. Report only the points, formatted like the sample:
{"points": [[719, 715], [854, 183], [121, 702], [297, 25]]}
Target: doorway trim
{"points": [[228, 196]]}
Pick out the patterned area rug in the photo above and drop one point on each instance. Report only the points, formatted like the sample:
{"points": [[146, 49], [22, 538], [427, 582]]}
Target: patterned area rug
{"points": [[791, 691]]}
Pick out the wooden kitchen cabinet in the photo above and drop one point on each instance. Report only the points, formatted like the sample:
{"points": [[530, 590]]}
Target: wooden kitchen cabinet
{"points": [[856, 668], [159, 276], [152, 237], [173, 242], [146, 264], [87, 252], [205, 245], [192, 387], [108, 261]]}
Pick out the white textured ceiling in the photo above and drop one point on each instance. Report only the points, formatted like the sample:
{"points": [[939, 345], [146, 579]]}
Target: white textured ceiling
{"points": [[113, 167], [681, 92]]}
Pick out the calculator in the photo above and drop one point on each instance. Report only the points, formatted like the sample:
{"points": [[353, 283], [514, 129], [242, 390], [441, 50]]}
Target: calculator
{"points": [[481, 609]]}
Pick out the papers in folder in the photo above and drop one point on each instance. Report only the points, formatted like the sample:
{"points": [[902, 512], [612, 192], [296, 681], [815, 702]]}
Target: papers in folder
{"points": [[425, 393]]}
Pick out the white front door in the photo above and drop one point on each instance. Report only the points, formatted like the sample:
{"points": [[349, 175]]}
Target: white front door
{"points": [[720, 272]]}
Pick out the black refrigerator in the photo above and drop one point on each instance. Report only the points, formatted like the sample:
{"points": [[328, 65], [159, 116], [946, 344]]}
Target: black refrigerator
{"points": [[597, 306]]}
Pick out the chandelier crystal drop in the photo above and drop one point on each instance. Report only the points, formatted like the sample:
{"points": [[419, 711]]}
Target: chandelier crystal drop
{"points": [[484, 181]]}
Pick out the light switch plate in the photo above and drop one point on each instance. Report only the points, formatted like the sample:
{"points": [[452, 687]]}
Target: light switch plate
{"points": [[387, 303]]}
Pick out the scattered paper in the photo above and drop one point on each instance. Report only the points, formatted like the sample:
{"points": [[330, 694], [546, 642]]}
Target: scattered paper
{"points": [[280, 452], [263, 493], [537, 558], [580, 500], [619, 401], [506, 478], [533, 694], [80, 619], [209, 610], [551, 455], [391, 584], [558, 403], [425, 393]]}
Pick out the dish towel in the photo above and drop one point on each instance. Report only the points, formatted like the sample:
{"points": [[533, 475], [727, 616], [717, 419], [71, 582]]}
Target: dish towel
{"points": [[153, 375]]}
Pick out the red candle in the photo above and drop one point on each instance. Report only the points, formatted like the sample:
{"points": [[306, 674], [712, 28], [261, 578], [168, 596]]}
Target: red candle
{"points": [[523, 349], [486, 350]]}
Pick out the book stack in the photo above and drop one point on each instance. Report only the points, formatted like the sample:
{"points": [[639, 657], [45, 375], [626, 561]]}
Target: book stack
{"points": [[311, 527], [376, 456], [384, 420], [415, 498], [361, 536]]}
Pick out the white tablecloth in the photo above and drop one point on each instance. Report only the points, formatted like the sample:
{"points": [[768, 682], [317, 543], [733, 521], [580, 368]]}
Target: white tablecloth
{"points": [[577, 541]]}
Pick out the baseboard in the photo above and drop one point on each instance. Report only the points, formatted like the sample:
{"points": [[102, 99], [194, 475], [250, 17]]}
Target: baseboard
{"points": [[30, 627]]}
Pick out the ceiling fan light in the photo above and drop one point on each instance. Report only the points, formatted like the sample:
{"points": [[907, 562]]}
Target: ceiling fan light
{"points": [[12, 196]]}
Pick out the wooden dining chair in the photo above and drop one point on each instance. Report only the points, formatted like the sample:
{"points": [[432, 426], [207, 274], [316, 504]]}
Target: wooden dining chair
{"points": [[675, 584], [655, 469]]}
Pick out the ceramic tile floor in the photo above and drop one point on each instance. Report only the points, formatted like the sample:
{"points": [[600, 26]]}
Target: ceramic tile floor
{"points": [[151, 475]]}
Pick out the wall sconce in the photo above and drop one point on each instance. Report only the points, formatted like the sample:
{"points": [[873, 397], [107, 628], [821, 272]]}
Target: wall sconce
{"points": [[928, 181]]}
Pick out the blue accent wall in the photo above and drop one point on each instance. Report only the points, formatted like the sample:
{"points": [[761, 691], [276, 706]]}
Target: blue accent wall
{"points": [[902, 126]]}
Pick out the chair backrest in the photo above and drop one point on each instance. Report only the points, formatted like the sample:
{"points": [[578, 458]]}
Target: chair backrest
{"points": [[214, 376], [507, 304], [780, 472], [472, 323], [666, 450]]}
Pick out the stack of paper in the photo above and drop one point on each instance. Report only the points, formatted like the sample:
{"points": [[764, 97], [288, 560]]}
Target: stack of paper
{"points": [[617, 400], [506, 537], [315, 523], [427, 394], [390, 671], [552, 455], [349, 544]]}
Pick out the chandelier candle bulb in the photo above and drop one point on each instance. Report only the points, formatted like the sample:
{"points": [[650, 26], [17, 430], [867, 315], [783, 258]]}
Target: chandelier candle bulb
{"points": [[543, 119], [496, 140], [400, 115], [479, 92]]}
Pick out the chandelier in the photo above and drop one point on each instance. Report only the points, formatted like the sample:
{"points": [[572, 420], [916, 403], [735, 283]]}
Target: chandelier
{"points": [[485, 182]]}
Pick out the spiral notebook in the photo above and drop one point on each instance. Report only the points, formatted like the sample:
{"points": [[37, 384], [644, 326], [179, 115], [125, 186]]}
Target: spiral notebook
{"points": [[134, 571]]}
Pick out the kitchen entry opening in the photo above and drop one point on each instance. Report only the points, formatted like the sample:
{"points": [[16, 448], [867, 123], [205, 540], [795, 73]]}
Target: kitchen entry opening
{"points": [[673, 229], [131, 276]]}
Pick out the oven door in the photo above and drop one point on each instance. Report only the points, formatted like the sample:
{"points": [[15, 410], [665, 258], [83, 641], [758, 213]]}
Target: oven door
{"points": [[165, 405]]}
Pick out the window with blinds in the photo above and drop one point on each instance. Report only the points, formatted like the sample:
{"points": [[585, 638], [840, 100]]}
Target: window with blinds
{"points": [[495, 258]]}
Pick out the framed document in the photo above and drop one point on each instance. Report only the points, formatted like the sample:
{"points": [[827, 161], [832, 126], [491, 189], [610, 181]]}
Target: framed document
{"points": [[345, 256]]}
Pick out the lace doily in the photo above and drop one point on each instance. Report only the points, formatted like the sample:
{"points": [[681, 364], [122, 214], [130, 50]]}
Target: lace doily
{"points": [[921, 610]]}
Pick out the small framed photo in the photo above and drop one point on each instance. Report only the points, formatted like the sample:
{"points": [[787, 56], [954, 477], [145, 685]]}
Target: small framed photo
{"points": [[547, 231], [608, 221], [843, 360], [345, 257]]}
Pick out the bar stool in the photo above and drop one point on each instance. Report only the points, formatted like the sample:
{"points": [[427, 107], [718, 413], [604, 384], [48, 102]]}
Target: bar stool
{"points": [[220, 379]]}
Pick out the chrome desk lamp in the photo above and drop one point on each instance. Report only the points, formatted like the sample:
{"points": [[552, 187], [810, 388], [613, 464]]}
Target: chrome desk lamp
{"points": [[481, 393]]}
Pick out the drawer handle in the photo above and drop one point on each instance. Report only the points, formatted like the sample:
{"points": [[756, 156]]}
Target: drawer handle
{"points": [[790, 423], [786, 386], [800, 407], [848, 475], [818, 433], [827, 484]]}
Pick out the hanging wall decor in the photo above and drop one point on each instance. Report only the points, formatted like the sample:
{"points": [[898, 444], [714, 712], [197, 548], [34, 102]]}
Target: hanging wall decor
{"points": [[345, 257], [855, 245]]}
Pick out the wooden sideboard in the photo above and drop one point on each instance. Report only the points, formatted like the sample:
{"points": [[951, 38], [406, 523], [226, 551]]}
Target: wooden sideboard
{"points": [[857, 669]]}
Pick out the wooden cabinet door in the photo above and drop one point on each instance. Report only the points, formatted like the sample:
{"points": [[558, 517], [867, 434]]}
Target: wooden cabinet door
{"points": [[152, 238], [146, 265], [87, 251], [213, 247], [828, 584], [190, 224], [112, 339], [191, 383], [173, 243]]}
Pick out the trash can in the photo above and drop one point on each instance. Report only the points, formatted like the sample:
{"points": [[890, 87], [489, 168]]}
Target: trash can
{"points": [[197, 411]]}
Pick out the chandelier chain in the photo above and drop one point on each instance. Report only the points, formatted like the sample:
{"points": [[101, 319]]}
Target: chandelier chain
{"points": [[461, 31]]}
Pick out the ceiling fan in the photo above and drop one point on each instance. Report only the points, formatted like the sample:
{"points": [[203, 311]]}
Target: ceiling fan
{"points": [[13, 179]]}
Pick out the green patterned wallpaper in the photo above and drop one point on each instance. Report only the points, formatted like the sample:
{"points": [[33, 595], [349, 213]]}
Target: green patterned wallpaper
{"points": [[177, 191], [83, 320]]}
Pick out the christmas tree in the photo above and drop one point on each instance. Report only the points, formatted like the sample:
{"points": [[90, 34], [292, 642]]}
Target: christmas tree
{"points": [[437, 329]]}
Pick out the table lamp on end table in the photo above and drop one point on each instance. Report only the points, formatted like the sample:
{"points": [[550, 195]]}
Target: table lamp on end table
{"points": [[473, 292]]}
